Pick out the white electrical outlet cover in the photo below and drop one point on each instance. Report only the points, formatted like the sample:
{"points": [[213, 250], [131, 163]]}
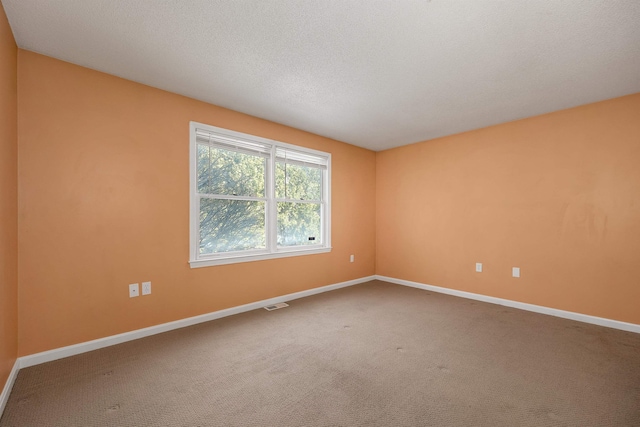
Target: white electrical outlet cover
{"points": [[515, 272], [478, 267], [134, 291], [352, 258], [146, 288]]}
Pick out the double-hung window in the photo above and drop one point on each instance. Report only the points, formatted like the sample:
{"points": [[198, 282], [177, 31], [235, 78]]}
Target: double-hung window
{"points": [[254, 198]]}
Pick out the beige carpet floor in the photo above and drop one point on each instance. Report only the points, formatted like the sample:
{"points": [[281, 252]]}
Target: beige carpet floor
{"points": [[375, 354]]}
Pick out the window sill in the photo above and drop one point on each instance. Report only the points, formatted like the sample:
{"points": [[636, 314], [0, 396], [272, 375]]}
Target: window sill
{"points": [[261, 257]]}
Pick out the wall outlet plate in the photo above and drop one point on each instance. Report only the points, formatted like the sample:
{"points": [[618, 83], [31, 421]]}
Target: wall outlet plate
{"points": [[515, 271], [478, 267], [352, 258], [146, 288], [134, 291]]}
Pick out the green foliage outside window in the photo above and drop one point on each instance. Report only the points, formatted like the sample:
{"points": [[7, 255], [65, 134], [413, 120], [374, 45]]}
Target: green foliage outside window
{"points": [[236, 225], [298, 223], [230, 225]]}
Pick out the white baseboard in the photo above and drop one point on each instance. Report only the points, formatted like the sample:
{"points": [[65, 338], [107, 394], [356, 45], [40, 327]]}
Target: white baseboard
{"points": [[6, 390], [59, 353], [609, 323]]}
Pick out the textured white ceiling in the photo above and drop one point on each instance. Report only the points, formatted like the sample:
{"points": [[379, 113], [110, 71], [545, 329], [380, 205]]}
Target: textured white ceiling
{"points": [[377, 74]]}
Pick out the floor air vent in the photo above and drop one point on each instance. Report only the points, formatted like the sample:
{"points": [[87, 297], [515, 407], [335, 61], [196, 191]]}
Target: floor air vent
{"points": [[276, 306]]}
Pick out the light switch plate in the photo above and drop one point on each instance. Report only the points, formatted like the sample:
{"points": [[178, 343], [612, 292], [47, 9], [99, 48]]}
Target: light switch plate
{"points": [[515, 272], [478, 267], [134, 291]]}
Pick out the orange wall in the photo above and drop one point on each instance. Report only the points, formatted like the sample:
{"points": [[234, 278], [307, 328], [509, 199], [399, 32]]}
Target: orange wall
{"points": [[556, 195], [104, 202], [8, 200], [104, 196]]}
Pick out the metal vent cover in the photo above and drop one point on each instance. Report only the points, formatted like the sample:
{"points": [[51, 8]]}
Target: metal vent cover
{"points": [[276, 306]]}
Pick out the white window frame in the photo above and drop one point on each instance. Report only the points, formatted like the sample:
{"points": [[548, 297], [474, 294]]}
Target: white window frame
{"points": [[272, 251]]}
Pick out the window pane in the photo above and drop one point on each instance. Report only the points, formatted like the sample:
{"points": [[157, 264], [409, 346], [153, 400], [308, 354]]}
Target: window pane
{"points": [[231, 225], [298, 224], [230, 173], [298, 182]]}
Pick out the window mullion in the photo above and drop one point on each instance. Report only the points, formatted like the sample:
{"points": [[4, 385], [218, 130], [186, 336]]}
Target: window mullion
{"points": [[272, 216], [312, 202], [196, 240], [229, 197]]}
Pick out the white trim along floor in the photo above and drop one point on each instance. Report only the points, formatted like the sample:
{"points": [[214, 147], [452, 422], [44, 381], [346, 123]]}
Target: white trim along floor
{"points": [[59, 353]]}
